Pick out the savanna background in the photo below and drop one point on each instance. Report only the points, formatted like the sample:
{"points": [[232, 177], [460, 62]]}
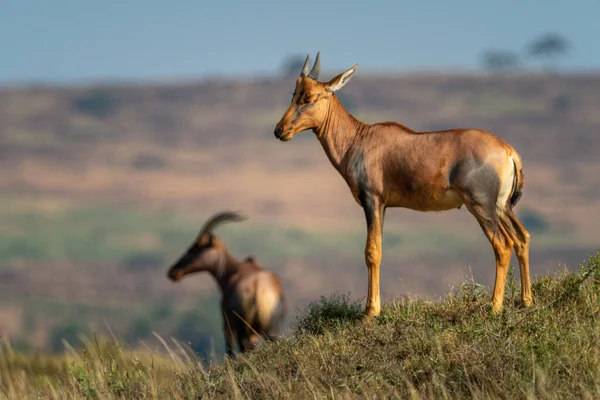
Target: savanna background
{"points": [[122, 128]]}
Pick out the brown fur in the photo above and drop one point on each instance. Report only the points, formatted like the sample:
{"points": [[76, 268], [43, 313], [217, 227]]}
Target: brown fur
{"points": [[253, 303], [390, 165]]}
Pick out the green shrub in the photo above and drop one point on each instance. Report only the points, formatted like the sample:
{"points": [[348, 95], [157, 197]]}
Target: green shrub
{"points": [[329, 313]]}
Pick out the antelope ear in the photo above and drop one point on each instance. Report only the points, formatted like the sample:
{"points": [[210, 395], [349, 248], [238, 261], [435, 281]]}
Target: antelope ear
{"points": [[339, 81], [205, 239]]}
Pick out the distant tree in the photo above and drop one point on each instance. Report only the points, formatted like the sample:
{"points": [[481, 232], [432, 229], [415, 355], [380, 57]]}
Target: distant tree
{"points": [[96, 103], [292, 65], [550, 46], [500, 60]]}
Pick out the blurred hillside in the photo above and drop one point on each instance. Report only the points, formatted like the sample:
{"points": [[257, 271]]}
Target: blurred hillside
{"points": [[104, 186]]}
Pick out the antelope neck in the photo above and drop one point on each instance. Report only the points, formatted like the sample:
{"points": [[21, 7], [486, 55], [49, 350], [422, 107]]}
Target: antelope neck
{"points": [[224, 268], [338, 133]]}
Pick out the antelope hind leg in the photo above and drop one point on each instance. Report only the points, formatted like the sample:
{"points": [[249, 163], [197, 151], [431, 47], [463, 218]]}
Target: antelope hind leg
{"points": [[521, 239]]}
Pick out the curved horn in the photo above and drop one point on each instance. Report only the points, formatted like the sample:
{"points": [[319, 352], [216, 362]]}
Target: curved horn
{"points": [[305, 67], [316, 69], [220, 218]]}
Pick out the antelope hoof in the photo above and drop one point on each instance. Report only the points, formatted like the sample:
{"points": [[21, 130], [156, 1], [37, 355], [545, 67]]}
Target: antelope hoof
{"points": [[496, 309], [367, 319], [527, 303], [370, 313]]}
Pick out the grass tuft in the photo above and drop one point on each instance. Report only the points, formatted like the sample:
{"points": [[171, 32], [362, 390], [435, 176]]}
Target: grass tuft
{"points": [[332, 313]]}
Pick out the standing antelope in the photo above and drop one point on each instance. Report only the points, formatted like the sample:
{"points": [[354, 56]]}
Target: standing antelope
{"points": [[253, 303], [389, 165]]}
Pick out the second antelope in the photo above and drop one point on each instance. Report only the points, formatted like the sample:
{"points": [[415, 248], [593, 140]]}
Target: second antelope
{"points": [[253, 303], [389, 165]]}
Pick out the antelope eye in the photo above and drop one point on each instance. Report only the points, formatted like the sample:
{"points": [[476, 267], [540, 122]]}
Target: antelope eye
{"points": [[302, 98]]}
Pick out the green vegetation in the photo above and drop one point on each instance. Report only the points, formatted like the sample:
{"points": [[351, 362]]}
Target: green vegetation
{"points": [[454, 348], [498, 104], [139, 239]]}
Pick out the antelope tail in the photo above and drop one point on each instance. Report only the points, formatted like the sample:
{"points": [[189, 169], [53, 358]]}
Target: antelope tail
{"points": [[519, 181]]}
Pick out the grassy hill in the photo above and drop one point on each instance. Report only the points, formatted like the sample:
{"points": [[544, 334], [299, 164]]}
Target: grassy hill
{"points": [[103, 186], [453, 348]]}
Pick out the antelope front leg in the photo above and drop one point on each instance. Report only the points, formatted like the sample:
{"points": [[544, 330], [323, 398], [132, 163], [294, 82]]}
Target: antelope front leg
{"points": [[230, 336], [374, 215]]}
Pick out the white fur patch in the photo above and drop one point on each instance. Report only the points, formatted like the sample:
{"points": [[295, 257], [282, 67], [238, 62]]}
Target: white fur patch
{"points": [[506, 186]]}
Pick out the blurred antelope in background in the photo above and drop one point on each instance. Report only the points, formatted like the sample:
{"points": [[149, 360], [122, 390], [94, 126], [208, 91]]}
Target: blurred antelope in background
{"points": [[253, 302], [389, 165]]}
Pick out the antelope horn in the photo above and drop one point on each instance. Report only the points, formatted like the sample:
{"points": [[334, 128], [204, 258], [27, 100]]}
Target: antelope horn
{"points": [[316, 69], [305, 67], [220, 218]]}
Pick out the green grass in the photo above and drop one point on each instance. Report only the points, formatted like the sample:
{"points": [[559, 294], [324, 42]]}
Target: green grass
{"points": [[138, 238], [499, 104], [453, 348]]}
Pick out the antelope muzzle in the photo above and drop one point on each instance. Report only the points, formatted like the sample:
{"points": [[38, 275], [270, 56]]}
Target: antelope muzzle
{"points": [[278, 131], [175, 274]]}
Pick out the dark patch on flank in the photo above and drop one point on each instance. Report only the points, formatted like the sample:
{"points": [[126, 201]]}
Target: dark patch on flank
{"points": [[481, 184], [368, 204], [366, 199]]}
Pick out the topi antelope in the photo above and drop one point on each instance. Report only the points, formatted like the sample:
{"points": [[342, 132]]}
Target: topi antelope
{"points": [[253, 302], [389, 165]]}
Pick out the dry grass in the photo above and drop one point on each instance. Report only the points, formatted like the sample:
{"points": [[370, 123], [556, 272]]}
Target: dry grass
{"points": [[454, 348]]}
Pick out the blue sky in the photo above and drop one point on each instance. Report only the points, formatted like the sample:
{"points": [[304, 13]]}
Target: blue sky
{"points": [[60, 41]]}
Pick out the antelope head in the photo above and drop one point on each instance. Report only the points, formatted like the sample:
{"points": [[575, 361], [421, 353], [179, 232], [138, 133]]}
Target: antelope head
{"points": [[310, 102], [206, 252]]}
